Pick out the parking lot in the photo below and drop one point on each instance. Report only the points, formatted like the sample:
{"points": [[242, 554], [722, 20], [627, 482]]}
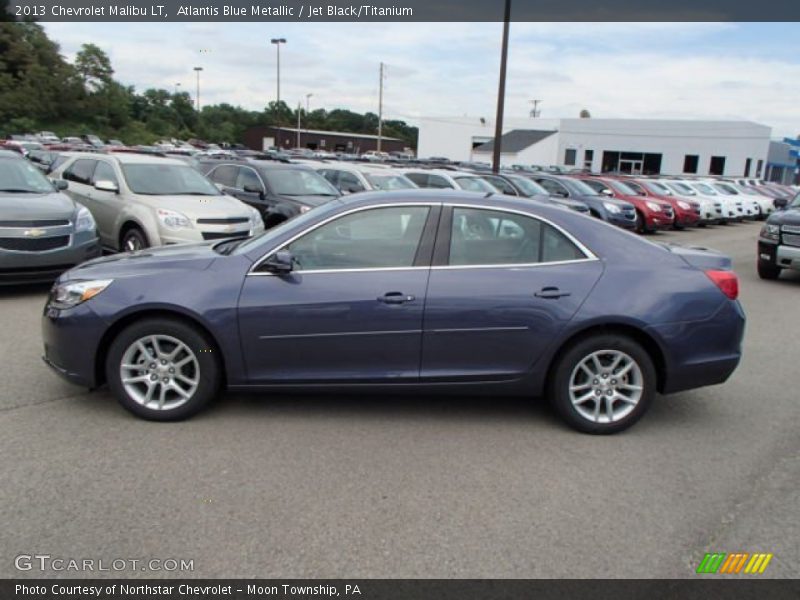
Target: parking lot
{"points": [[299, 486]]}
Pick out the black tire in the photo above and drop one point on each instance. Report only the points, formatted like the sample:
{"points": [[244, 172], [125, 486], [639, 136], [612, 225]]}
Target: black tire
{"points": [[561, 374], [209, 376], [641, 224], [768, 271], [133, 239]]}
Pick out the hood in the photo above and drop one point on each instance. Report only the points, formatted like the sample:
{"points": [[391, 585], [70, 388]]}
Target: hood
{"points": [[623, 204], [308, 200], [199, 206], [790, 216], [29, 207], [181, 257]]}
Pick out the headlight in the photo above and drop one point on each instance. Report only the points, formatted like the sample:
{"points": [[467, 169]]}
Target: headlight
{"points": [[84, 221], [304, 209], [684, 205], [612, 208], [770, 232], [653, 206], [72, 293], [173, 220], [255, 218]]}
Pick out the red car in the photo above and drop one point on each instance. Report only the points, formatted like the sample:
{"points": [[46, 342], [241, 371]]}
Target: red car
{"points": [[687, 212], [651, 214]]}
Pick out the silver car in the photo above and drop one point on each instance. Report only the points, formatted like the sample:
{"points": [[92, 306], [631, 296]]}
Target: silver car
{"points": [[140, 201]]}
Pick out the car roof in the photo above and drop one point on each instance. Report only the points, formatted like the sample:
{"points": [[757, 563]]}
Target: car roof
{"points": [[126, 158]]}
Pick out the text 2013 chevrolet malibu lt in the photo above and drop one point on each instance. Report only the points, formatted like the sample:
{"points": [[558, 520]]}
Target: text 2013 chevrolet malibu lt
{"points": [[419, 291]]}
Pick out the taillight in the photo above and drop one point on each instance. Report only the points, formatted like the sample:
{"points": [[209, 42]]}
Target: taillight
{"points": [[726, 281]]}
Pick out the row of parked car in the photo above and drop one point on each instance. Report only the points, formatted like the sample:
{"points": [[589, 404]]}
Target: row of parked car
{"points": [[134, 200]]}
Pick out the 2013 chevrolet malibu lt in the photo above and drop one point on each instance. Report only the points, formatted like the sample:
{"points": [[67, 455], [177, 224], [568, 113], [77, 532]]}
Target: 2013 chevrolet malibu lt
{"points": [[416, 291]]}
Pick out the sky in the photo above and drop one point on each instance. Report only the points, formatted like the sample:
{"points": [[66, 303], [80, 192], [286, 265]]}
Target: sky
{"points": [[614, 70]]}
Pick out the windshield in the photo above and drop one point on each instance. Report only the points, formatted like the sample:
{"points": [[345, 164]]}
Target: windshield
{"points": [[20, 176], [743, 189], [682, 189], [531, 188], [796, 202], [390, 182], [657, 188], [475, 184], [705, 189], [583, 188], [726, 189], [155, 179], [636, 188], [624, 188], [298, 182]]}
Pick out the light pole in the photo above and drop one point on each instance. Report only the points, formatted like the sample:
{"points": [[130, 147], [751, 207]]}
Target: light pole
{"points": [[197, 70], [501, 91], [278, 42], [177, 85], [308, 96]]}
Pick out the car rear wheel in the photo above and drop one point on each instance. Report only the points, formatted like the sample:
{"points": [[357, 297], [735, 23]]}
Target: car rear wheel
{"points": [[134, 239], [163, 369], [603, 384], [768, 270]]}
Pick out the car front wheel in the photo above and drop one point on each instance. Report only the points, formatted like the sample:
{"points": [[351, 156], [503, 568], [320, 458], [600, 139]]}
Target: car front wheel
{"points": [[767, 270], [133, 240], [163, 369], [603, 384]]}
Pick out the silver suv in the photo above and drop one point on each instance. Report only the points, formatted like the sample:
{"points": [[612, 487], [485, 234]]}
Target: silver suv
{"points": [[140, 201]]}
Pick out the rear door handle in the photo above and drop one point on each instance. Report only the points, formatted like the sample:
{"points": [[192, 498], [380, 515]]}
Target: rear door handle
{"points": [[551, 293], [395, 298]]}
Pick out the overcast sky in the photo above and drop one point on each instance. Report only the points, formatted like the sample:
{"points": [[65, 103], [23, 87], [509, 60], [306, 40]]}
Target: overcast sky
{"points": [[634, 70]]}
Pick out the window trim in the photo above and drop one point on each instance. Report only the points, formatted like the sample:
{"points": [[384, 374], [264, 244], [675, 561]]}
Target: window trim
{"points": [[243, 168], [447, 220], [425, 231]]}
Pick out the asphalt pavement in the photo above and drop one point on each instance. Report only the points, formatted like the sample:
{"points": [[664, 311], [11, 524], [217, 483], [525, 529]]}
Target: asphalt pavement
{"points": [[342, 486]]}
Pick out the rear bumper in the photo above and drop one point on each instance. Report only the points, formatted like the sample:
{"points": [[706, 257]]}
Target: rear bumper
{"points": [[701, 353]]}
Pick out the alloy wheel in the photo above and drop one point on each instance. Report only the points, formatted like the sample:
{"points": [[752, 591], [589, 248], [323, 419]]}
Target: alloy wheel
{"points": [[606, 386], [159, 372]]}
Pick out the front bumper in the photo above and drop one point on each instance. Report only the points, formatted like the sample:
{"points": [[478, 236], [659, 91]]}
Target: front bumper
{"points": [[71, 339], [41, 267], [658, 221], [779, 255], [620, 220]]}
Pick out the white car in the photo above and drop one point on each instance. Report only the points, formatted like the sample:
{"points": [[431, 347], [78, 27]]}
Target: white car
{"points": [[750, 208], [710, 206], [766, 204], [350, 179], [443, 179], [708, 213], [731, 209]]}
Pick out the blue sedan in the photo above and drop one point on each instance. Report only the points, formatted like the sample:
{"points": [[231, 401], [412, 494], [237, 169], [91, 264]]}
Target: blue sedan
{"points": [[417, 291]]}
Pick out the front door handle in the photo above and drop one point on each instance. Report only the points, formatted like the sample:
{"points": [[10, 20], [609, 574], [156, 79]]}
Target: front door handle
{"points": [[395, 298], [551, 293]]}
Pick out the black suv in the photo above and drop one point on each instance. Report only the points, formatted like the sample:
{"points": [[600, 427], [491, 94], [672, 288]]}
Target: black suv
{"points": [[779, 241], [279, 191]]}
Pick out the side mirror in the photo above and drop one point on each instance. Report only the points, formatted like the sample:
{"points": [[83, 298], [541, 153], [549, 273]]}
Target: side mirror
{"points": [[254, 189], [106, 186], [61, 184], [780, 203], [606, 192], [281, 262], [559, 194]]}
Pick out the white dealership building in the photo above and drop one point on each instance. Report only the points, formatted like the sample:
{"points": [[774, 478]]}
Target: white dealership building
{"points": [[641, 146]]}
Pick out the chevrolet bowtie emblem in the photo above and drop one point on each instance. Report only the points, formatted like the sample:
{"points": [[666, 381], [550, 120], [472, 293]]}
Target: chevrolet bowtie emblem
{"points": [[34, 232]]}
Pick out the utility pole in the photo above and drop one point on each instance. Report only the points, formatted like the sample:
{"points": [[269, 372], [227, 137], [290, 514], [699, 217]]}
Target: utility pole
{"points": [[380, 109], [298, 123], [501, 92], [535, 113], [197, 70]]}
